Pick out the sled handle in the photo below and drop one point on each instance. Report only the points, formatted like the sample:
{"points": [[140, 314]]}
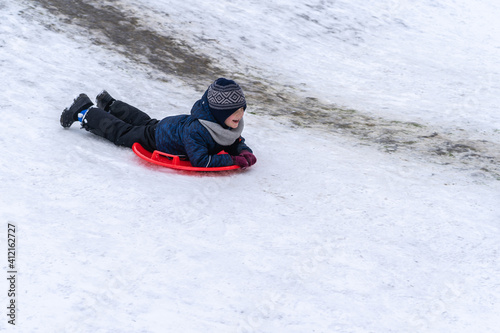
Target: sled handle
{"points": [[157, 155]]}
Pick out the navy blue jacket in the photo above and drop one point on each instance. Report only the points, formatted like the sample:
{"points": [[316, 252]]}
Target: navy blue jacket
{"points": [[185, 135]]}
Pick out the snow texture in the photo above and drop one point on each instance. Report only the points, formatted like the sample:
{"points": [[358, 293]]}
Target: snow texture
{"points": [[323, 234]]}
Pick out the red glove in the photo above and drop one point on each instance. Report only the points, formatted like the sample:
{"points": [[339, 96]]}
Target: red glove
{"points": [[240, 160], [251, 159]]}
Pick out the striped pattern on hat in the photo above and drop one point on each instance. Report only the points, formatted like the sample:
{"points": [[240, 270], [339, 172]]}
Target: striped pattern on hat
{"points": [[225, 95]]}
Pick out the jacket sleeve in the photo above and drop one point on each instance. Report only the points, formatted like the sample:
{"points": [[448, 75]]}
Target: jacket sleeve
{"points": [[197, 149], [238, 146]]}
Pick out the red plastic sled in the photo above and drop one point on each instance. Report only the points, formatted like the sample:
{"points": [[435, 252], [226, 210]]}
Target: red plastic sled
{"points": [[173, 161]]}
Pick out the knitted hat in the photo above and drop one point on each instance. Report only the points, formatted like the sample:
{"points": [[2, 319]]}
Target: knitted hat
{"points": [[224, 98]]}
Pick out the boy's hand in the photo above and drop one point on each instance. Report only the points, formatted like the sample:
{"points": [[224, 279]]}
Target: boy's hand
{"points": [[241, 161], [251, 159], [244, 159]]}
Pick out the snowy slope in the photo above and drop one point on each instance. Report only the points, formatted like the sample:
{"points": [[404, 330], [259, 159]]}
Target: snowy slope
{"points": [[324, 234], [373, 56]]}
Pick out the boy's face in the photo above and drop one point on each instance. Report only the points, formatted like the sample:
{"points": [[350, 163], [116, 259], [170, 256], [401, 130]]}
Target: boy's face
{"points": [[234, 120]]}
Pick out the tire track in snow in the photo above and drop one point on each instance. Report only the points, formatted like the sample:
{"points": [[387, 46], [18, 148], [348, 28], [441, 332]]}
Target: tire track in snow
{"points": [[123, 32]]}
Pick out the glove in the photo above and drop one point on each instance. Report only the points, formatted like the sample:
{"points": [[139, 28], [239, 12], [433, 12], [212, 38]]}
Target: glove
{"points": [[251, 159], [240, 160]]}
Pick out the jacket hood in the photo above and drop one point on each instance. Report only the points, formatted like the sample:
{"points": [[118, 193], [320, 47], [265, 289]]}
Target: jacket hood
{"points": [[201, 110]]}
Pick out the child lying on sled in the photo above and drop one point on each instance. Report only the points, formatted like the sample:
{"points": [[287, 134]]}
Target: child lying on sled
{"points": [[215, 124]]}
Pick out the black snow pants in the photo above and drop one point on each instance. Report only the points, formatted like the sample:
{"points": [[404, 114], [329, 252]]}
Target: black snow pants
{"points": [[123, 125]]}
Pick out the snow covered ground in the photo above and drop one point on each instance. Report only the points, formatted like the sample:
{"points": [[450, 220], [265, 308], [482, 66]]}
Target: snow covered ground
{"points": [[373, 56], [324, 234]]}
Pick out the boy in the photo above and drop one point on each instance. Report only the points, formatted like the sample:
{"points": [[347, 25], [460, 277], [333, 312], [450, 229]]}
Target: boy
{"points": [[215, 124]]}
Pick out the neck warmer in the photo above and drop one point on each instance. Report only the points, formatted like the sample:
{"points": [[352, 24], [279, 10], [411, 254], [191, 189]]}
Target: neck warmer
{"points": [[224, 137]]}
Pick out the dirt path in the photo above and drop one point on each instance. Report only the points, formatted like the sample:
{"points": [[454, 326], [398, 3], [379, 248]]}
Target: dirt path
{"points": [[122, 32]]}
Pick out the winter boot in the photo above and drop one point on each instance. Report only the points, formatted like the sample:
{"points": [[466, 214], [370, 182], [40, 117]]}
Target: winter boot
{"points": [[70, 115], [104, 100]]}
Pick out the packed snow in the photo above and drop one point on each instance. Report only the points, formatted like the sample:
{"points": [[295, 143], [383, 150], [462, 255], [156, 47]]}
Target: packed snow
{"points": [[323, 234]]}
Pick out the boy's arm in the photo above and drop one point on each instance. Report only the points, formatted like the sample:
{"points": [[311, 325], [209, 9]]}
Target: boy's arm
{"points": [[238, 146], [197, 150]]}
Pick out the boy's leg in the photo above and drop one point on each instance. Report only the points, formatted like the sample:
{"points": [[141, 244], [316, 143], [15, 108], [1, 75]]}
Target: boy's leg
{"points": [[122, 110], [130, 114], [118, 131]]}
